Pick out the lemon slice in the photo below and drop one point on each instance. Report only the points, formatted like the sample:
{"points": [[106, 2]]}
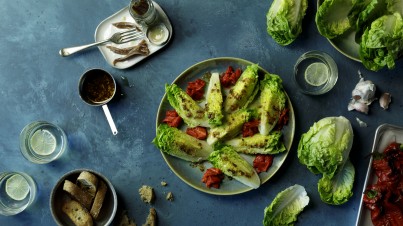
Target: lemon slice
{"points": [[316, 74], [43, 142], [17, 187]]}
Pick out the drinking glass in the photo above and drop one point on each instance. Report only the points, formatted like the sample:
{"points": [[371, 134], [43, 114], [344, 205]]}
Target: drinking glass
{"points": [[17, 192], [42, 142]]}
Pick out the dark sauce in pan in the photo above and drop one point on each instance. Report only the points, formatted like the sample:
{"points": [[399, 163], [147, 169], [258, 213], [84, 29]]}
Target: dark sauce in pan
{"points": [[98, 87]]}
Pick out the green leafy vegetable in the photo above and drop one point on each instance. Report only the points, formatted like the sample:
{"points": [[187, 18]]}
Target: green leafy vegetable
{"points": [[333, 17], [323, 148], [272, 101], [179, 144], [286, 206], [337, 190], [214, 101], [188, 109], [232, 164], [382, 43], [231, 127], [244, 90], [373, 10], [284, 20], [258, 144]]}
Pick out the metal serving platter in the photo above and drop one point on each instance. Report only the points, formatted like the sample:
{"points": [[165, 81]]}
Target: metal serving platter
{"points": [[384, 135]]}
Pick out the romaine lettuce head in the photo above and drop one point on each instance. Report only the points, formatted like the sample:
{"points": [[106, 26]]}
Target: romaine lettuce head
{"points": [[284, 20], [382, 43], [232, 164], [286, 206], [326, 145], [181, 145], [334, 17], [338, 189]]}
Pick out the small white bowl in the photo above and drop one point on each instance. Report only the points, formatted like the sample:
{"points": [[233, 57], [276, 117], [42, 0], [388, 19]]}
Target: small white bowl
{"points": [[108, 210]]}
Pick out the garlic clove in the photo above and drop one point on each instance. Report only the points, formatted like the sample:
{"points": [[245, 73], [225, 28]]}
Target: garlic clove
{"points": [[358, 106], [385, 100]]}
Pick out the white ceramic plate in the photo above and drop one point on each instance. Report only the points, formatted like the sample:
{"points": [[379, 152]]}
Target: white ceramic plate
{"points": [[345, 43], [193, 175], [105, 30], [384, 135]]}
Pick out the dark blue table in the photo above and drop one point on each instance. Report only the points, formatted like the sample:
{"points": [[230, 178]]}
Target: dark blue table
{"points": [[36, 83]]}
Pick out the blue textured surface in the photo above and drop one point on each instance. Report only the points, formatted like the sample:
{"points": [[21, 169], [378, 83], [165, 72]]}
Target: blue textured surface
{"points": [[36, 83]]}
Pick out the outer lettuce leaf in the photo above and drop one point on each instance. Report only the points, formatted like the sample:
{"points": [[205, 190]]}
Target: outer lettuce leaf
{"points": [[382, 43], [337, 190], [284, 20], [286, 206], [326, 145], [395, 6], [334, 17]]}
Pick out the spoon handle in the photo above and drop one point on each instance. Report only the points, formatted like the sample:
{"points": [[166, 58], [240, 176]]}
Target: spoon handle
{"points": [[109, 118]]}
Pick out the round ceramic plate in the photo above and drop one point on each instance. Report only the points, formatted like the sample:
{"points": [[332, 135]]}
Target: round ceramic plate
{"points": [[192, 174], [345, 43]]}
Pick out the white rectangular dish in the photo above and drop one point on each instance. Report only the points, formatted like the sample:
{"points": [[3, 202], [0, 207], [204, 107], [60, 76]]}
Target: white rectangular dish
{"points": [[106, 29]]}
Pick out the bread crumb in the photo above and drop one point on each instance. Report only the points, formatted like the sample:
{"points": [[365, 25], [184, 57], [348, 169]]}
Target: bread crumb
{"points": [[126, 221], [147, 194], [170, 196], [151, 218], [163, 183]]}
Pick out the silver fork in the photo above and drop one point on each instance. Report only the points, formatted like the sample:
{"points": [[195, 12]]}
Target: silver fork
{"points": [[117, 38]]}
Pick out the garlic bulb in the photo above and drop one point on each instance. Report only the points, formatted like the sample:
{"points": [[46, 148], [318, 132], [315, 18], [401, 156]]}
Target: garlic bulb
{"points": [[364, 91], [362, 95]]}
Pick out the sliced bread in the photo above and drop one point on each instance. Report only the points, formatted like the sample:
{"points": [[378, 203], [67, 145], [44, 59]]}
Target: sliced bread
{"points": [[77, 194], [88, 182], [77, 213], [99, 199]]}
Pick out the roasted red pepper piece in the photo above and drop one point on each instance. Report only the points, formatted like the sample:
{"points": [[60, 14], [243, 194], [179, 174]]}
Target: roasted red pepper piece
{"points": [[250, 128], [213, 177], [283, 120], [230, 77], [172, 118], [198, 132], [262, 163], [196, 89]]}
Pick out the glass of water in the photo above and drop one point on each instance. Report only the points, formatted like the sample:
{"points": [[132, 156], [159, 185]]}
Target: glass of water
{"points": [[42, 142], [17, 192]]}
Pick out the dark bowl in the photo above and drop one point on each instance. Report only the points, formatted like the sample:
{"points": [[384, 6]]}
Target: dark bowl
{"points": [[58, 196]]}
